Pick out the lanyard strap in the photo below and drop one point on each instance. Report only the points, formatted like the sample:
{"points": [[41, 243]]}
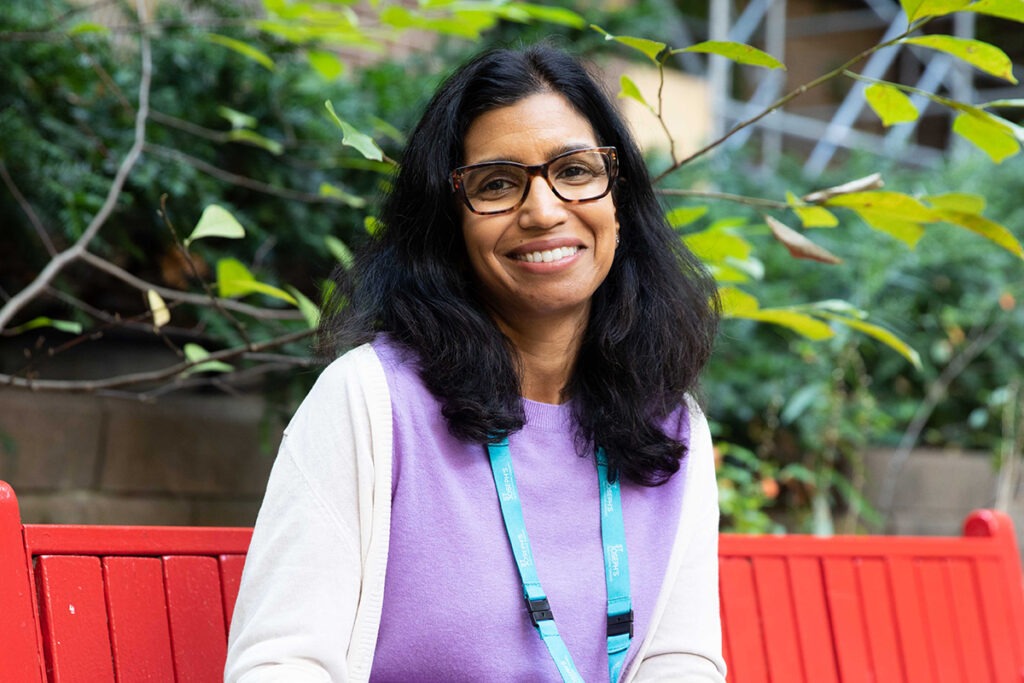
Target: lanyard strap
{"points": [[616, 565]]}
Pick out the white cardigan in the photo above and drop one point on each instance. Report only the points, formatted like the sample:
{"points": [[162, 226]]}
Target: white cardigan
{"points": [[310, 601]]}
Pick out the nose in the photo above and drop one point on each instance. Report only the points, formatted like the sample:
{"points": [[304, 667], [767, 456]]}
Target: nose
{"points": [[542, 209]]}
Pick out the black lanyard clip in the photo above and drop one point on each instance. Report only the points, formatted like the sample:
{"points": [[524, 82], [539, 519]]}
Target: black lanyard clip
{"points": [[619, 624], [539, 610]]}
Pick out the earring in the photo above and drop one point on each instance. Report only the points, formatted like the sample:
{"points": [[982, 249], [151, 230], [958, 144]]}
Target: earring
{"points": [[616, 238]]}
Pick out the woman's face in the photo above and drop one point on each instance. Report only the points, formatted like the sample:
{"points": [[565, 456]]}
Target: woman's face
{"points": [[547, 257]]}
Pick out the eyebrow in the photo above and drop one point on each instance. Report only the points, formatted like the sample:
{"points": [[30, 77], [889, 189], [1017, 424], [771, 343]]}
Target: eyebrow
{"points": [[561, 149]]}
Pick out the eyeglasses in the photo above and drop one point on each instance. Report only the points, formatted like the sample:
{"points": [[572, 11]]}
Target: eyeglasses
{"points": [[581, 175]]}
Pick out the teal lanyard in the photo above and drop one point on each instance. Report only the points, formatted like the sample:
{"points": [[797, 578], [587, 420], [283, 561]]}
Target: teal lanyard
{"points": [[616, 565]]}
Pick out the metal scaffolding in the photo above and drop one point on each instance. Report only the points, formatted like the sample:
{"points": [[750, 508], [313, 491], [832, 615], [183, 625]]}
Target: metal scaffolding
{"points": [[765, 24]]}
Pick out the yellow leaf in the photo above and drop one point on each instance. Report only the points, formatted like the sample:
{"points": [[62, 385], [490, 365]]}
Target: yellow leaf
{"points": [[894, 204], [158, 308], [987, 228], [977, 53], [737, 52], [891, 105], [987, 133]]}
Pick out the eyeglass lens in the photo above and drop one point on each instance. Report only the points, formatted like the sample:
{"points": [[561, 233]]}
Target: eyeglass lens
{"points": [[578, 176]]}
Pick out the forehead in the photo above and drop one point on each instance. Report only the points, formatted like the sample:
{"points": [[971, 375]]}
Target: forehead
{"points": [[530, 131]]}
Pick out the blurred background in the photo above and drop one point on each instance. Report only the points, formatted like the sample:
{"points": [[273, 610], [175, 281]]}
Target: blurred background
{"points": [[174, 194]]}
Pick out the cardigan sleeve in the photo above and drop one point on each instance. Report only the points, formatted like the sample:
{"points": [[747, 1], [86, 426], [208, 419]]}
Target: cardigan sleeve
{"points": [[312, 586], [685, 645]]}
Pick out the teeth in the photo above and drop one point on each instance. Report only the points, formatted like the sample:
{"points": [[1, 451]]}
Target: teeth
{"points": [[547, 256]]}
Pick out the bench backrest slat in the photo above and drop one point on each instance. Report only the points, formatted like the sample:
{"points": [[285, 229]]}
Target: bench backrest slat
{"points": [[742, 621], [883, 637], [230, 580], [196, 610], [137, 604], [73, 613]]}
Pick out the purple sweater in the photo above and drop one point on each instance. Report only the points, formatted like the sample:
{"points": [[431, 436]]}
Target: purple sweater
{"points": [[453, 602]]}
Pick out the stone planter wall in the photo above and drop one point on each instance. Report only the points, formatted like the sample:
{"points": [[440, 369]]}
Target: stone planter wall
{"points": [[186, 459]]}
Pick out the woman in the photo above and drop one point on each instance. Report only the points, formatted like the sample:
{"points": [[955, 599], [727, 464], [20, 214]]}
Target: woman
{"points": [[530, 328]]}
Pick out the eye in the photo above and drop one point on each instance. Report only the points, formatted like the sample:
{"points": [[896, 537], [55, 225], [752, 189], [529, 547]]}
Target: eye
{"points": [[577, 171], [492, 183]]}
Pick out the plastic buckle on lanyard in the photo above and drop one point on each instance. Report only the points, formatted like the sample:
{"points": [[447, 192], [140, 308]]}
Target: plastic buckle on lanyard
{"points": [[539, 610], [620, 624]]}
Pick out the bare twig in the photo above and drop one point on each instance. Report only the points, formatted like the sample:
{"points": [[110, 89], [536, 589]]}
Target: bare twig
{"points": [[187, 297], [89, 386], [980, 340], [240, 180], [61, 260], [26, 207], [738, 198]]}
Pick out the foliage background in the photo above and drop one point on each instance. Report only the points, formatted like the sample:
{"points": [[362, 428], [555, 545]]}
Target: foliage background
{"points": [[792, 415]]}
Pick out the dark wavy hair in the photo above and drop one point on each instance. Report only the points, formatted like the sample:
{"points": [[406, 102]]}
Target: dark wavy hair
{"points": [[652, 321]]}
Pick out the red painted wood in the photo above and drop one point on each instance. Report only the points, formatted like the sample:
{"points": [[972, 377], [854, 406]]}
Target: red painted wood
{"points": [[73, 618], [797, 545], [139, 630], [196, 610], [814, 628], [999, 527], [882, 638], [22, 646], [939, 621], [777, 606], [998, 627], [967, 619], [740, 609], [230, 579], [909, 608], [845, 610], [153, 541]]}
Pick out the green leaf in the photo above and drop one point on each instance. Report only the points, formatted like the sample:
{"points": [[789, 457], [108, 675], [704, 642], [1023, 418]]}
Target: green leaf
{"points": [[652, 49], [371, 225], [244, 49], [236, 118], [351, 137], [988, 133], [256, 140], [1004, 9], [630, 90], [340, 251], [682, 216], [977, 53], [88, 27], [335, 192], [880, 333], [310, 311], [737, 52], [194, 353], [736, 302], [235, 280], [62, 325], [891, 105], [1012, 103], [216, 221], [550, 15], [985, 227], [327, 64], [918, 9], [715, 245]]}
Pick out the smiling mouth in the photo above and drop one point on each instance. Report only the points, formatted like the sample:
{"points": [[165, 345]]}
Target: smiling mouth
{"points": [[548, 255]]}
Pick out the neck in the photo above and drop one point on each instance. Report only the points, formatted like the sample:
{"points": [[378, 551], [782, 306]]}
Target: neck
{"points": [[547, 349]]}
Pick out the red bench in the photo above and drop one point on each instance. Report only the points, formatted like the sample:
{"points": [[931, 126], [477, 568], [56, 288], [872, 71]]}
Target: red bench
{"points": [[79, 603]]}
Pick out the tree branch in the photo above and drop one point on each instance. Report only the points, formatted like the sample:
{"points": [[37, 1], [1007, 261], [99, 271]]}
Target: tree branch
{"points": [[187, 297], [738, 198], [33, 218], [89, 386], [61, 260]]}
